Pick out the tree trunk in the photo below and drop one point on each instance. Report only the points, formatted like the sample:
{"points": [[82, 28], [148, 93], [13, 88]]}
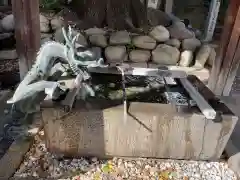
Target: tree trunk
{"points": [[115, 14]]}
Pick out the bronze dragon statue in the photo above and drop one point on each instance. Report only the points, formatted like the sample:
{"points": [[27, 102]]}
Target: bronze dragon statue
{"points": [[40, 82]]}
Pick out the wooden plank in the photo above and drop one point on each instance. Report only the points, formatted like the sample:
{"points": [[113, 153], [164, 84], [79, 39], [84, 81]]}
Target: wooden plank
{"points": [[212, 20], [27, 32], [73, 93], [203, 105], [228, 60], [155, 4], [137, 71], [169, 6], [5, 2], [232, 72], [228, 26]]}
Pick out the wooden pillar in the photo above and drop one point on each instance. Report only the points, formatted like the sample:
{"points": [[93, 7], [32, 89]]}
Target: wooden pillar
{"points": [[212, 20], [169, 6], [226, 59], [154, 4], [27, 32]]}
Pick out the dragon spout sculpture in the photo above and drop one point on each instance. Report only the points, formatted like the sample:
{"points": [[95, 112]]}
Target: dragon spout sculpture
{"points": [[37, 84]]}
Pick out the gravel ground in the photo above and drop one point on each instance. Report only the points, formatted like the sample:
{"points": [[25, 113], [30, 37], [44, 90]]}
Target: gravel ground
{"points": [[40, 164], [8, 65]]}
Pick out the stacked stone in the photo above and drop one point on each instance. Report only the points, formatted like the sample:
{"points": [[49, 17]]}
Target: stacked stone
{"points": [[172, 45], [175, 45]]}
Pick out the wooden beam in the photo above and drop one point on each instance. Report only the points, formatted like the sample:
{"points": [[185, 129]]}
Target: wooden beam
{"points": [[168, 6], [155, 4], [226, 34], [203, 105], [229, 56], [5, 2], [27, 32], [212, 20], [232, 71]]}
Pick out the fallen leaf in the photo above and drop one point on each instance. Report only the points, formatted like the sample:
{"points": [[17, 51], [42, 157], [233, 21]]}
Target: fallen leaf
{"points": [[97, 176], [108, 168]]}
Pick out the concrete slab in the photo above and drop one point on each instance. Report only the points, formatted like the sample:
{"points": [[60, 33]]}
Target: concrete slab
{"points": [[233, 103]]}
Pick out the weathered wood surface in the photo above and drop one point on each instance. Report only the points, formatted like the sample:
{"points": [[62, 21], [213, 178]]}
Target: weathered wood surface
{"points": [[154, 4], [203, 105], [151, 130], [169, 6], [226, 50], [211, 20], [232, 74], [27, 32]]}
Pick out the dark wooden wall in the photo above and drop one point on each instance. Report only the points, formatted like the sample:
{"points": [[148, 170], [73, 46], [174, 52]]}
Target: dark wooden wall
{"points": [[227, 62]]}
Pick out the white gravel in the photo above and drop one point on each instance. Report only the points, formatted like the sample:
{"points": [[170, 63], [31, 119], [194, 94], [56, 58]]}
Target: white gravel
{"points": [[40, 164]]}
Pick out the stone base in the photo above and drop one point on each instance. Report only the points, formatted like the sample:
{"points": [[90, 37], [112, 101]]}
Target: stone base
{"points": [[100, 128]]}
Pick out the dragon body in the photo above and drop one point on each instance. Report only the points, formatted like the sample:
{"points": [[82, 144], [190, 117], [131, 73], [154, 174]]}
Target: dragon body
{"points": [[36, 84]]}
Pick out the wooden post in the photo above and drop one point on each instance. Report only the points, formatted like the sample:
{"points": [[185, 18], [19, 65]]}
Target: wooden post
{"points": [[169, 6], [27, 32], [212, 20], [227, 48], [154, 4]]}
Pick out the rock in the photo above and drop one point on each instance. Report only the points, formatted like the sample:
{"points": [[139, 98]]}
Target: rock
{"points": [[144, 42], [7, 41], [212, 57], [139, 56], [94, 31], [165, 54], [179, 31], [97, 52], [160, 33], [120, 38], [58, 36], [202, 56], [46, 35], [173, 42], [8, 23], [234, 163], [158, 17], [8, 54], [115, 54], [191, 44], [98, 40], [44, 40], [81, 39], [44, 24], [56, 22], [186, 58]]}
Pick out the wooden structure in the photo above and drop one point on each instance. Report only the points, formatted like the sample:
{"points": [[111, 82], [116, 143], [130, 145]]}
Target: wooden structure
{"points": [[155, 130], [26, 13], [225, 67], [27, 32]]}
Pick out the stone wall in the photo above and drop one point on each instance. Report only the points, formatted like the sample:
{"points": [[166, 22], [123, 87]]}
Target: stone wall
{"points": [[173, 45]]}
